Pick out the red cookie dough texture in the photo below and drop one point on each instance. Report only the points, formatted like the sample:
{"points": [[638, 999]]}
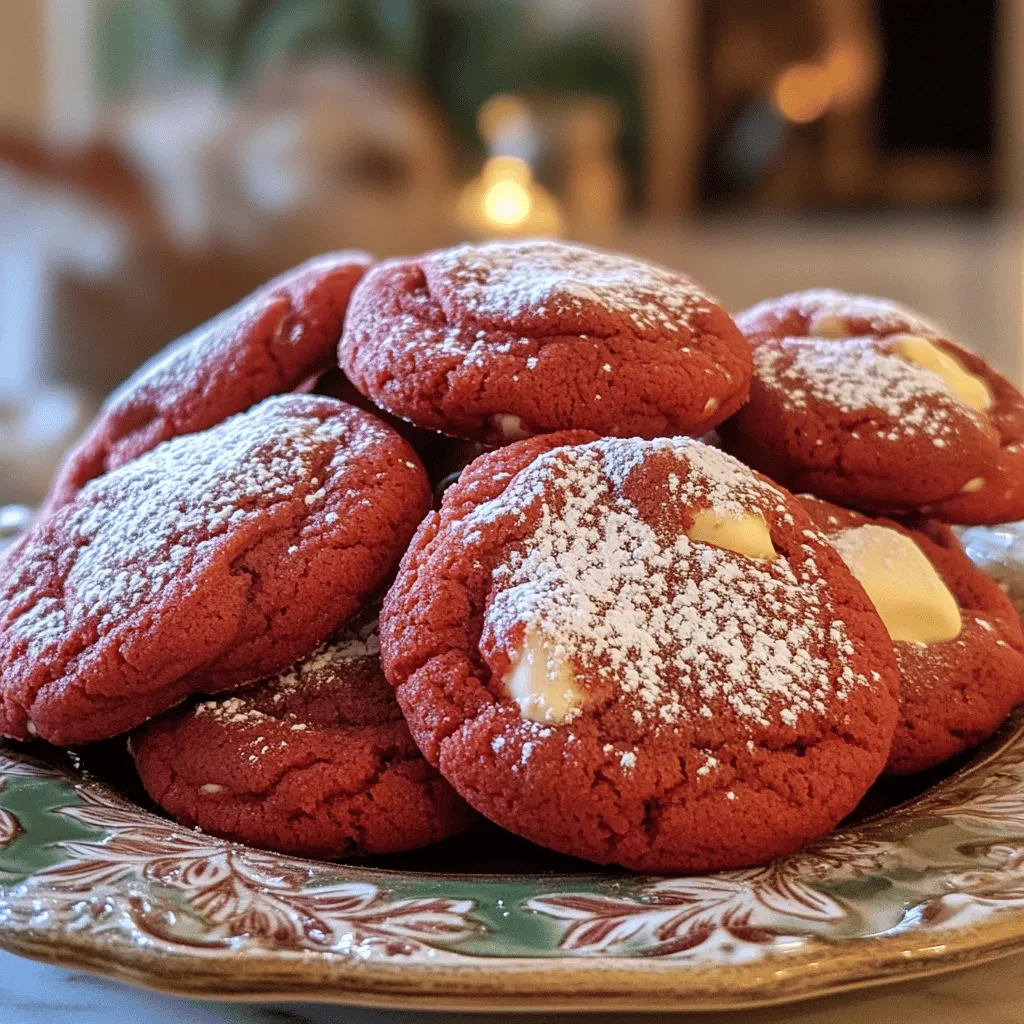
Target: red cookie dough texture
{"points": [[834, 410], [317, 761], [212, 561], [727, 708], [954, 694], [268, 344], [436, 450], [498, 342]]}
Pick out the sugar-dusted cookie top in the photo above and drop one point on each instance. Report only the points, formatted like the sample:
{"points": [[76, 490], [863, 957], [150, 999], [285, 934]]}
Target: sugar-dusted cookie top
{"points": [[501, 341], [209, 562], [639, 652], [861, 401]]}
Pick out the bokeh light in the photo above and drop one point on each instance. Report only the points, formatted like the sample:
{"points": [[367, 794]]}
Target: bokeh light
{"points": [[507, 200], [852, 73], [803, 92], [504, 199]]}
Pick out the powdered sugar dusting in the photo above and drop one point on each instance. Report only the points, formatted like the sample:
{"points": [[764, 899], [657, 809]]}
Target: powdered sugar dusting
{"points": [[675, 625], [883, 315], [360, 641], [857, 375], [136, 533], [506, 281]]}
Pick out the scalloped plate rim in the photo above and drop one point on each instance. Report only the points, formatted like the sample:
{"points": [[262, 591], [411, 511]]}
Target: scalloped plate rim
{"points": [[542, 987]]}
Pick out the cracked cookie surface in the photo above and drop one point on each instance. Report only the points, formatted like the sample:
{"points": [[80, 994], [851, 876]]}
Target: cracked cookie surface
{"points": [[268, 344], [211, 561], [498, 342], [316, 761], [589, 677], [954, 694], [837, 409]]}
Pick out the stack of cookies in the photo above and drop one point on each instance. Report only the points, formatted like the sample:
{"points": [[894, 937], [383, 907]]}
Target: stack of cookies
{"points": [[387, 546]]}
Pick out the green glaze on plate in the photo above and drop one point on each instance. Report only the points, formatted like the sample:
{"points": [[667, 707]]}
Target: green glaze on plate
{"points": [[90, 879]]}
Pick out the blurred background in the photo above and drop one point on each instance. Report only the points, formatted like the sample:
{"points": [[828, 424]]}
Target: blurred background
{"points": [[159, 158]]}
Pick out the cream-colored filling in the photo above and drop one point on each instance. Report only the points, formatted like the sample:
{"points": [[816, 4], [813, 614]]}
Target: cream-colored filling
{"points": [[909, 595], [746, 535], [510, 427], [543, 684], [968, 387]]}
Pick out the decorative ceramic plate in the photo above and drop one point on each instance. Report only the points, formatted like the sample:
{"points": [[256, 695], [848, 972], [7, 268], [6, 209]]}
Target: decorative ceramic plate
{"points": [[90, 878]]}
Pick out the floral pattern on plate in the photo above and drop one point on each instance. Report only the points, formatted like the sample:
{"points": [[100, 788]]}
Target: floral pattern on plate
{"points": [[953, 857]]}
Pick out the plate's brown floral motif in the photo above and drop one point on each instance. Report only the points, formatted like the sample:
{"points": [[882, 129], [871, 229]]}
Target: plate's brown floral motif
{"points": [[14, 767], [710, 917], [733, 915], [10, 828], [739, 915], [168, 885], [991, 802], [969, 897]]}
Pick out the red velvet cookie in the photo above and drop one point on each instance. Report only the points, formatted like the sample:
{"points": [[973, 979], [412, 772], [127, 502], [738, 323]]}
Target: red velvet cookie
{"points": [[958, 685], [317, 761], [862, 402], [282, 334], [435, 450], [579, 645], [502, 341], [211, 561]]}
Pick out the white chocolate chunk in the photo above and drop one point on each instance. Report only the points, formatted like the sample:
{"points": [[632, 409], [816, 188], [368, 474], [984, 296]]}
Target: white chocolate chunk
{"points": [[746, 535], [909, 595], [510, 427], [543, 685], [973, 485], [211, 789], [968, 387]]}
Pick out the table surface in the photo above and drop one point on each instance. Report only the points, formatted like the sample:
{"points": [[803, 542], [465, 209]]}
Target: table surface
{"points": [[32, 993]]}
